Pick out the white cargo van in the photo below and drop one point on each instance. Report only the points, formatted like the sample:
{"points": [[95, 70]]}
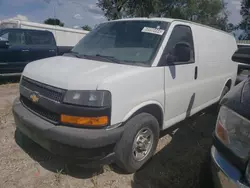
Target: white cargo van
{"points": [[123, 83]]}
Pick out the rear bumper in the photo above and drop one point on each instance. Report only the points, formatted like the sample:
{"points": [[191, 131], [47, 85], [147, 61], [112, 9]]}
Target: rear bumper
{"points": [[225, 175], [77, 143]]}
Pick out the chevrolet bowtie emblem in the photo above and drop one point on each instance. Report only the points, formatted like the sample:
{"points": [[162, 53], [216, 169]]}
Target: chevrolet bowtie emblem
{"points": [[34, 97]]}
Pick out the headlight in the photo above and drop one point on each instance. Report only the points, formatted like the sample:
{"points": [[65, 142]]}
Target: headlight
{"points": [[233, 131], [88, 98]]}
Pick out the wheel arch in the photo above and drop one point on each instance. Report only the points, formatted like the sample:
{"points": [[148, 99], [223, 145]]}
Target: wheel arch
{"points": [[152, 107], [229, 83]]}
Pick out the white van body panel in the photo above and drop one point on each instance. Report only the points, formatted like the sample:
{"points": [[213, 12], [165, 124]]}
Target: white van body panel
{"points": [[140, 106], [132, 87], [180, 87], [75, 74], [142, 87], [216, 67], [186, 96]]}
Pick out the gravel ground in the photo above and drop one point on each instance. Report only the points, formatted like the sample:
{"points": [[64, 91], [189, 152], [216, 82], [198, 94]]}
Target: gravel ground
{"points": [[181, 159]]}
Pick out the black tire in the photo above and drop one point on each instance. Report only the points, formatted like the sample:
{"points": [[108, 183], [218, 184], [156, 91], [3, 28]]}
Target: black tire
{"points": [[224, 92], [123, 149], [215, 108]]}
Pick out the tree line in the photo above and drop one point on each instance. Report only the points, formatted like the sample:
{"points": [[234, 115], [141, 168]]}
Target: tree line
{"points": [[55, 21], [245, 23], [209, 12]]}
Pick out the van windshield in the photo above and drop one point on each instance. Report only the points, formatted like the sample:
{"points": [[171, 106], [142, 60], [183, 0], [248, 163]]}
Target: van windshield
{"points": [[126, 42]]}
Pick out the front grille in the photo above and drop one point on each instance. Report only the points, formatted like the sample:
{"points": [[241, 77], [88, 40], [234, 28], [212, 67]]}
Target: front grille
{"points": [[47, 91], [50, 116]]}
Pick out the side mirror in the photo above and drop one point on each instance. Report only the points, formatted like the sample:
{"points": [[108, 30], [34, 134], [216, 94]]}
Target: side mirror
{"points": [[4, 44], [242, 55], [170, 59], [181, 53]]}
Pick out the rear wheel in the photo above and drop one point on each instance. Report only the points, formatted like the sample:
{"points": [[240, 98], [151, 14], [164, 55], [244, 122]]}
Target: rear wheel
{"points": [[215, 108], [224, 92], [138, 143]]}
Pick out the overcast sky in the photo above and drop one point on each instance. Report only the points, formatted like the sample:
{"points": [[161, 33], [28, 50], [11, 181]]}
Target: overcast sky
{"points": [[73, 12]]}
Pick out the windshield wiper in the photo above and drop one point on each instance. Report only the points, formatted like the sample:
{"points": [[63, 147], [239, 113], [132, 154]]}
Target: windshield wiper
{"points": [[109, 58], [78, 55], [113, 59], [74, 54]]}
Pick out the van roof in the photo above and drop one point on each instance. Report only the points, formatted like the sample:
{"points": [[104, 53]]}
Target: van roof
{"points": [[25, 29], [43, 26], [170, 20], [146, 18]]}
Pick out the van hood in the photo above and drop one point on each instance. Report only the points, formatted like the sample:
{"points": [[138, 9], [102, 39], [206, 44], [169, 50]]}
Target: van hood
{"points": [[72, 73]]}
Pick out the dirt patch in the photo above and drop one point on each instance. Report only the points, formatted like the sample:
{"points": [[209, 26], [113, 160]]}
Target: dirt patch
{"points": [[180, 161]]}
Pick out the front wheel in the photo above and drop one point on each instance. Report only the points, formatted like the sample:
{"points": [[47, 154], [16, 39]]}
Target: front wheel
{"points": [[138, 143]]}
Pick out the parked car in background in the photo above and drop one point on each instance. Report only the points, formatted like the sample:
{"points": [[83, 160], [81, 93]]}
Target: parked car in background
{"points": [[18, 47], [121, 85], [243, 68], [230, 153], [65, 37]]}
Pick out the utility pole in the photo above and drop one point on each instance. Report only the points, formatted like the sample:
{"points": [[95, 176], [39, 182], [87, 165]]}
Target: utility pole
{"points": [[57, 2]]}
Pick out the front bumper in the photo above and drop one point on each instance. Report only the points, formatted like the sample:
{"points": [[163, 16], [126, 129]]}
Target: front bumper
{"points": [[225, 175], [78, 143]]}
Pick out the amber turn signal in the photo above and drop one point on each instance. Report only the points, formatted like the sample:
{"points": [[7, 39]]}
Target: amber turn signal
{"points": [[88, 121], [222, 133]]}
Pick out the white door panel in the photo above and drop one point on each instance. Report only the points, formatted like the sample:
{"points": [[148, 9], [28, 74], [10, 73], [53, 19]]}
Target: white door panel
{"points": [[180, 74], [180, 90], [215, 65]]}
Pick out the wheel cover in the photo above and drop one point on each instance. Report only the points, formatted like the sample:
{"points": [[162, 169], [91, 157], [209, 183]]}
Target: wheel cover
{"points": [[142, 144]]}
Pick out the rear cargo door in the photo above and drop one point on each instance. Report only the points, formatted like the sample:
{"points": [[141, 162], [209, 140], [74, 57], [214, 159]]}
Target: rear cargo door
{"points": [[41, 44]]}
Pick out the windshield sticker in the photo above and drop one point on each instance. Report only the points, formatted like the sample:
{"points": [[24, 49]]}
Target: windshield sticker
{"points": [[153, 30]]}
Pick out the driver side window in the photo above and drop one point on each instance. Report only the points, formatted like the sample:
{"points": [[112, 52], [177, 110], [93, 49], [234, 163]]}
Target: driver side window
{"points": [[179, 44], [4, 37], [14, 37]]}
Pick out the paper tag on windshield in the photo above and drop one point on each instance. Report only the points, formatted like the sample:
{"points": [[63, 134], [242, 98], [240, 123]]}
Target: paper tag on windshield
{"points": [[153, 30]]}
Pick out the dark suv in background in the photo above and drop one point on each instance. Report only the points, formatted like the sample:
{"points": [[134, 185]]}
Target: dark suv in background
{"points": [[21, 46], [231, 150]]}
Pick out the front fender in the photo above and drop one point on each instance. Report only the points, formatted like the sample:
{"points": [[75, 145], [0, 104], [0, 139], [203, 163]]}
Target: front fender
{"points": [[140, 106], [134, 89]]}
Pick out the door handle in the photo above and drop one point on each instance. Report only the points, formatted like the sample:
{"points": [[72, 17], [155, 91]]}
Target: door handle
{"points": [[51, 50], [196, 73], [25, 50]]}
